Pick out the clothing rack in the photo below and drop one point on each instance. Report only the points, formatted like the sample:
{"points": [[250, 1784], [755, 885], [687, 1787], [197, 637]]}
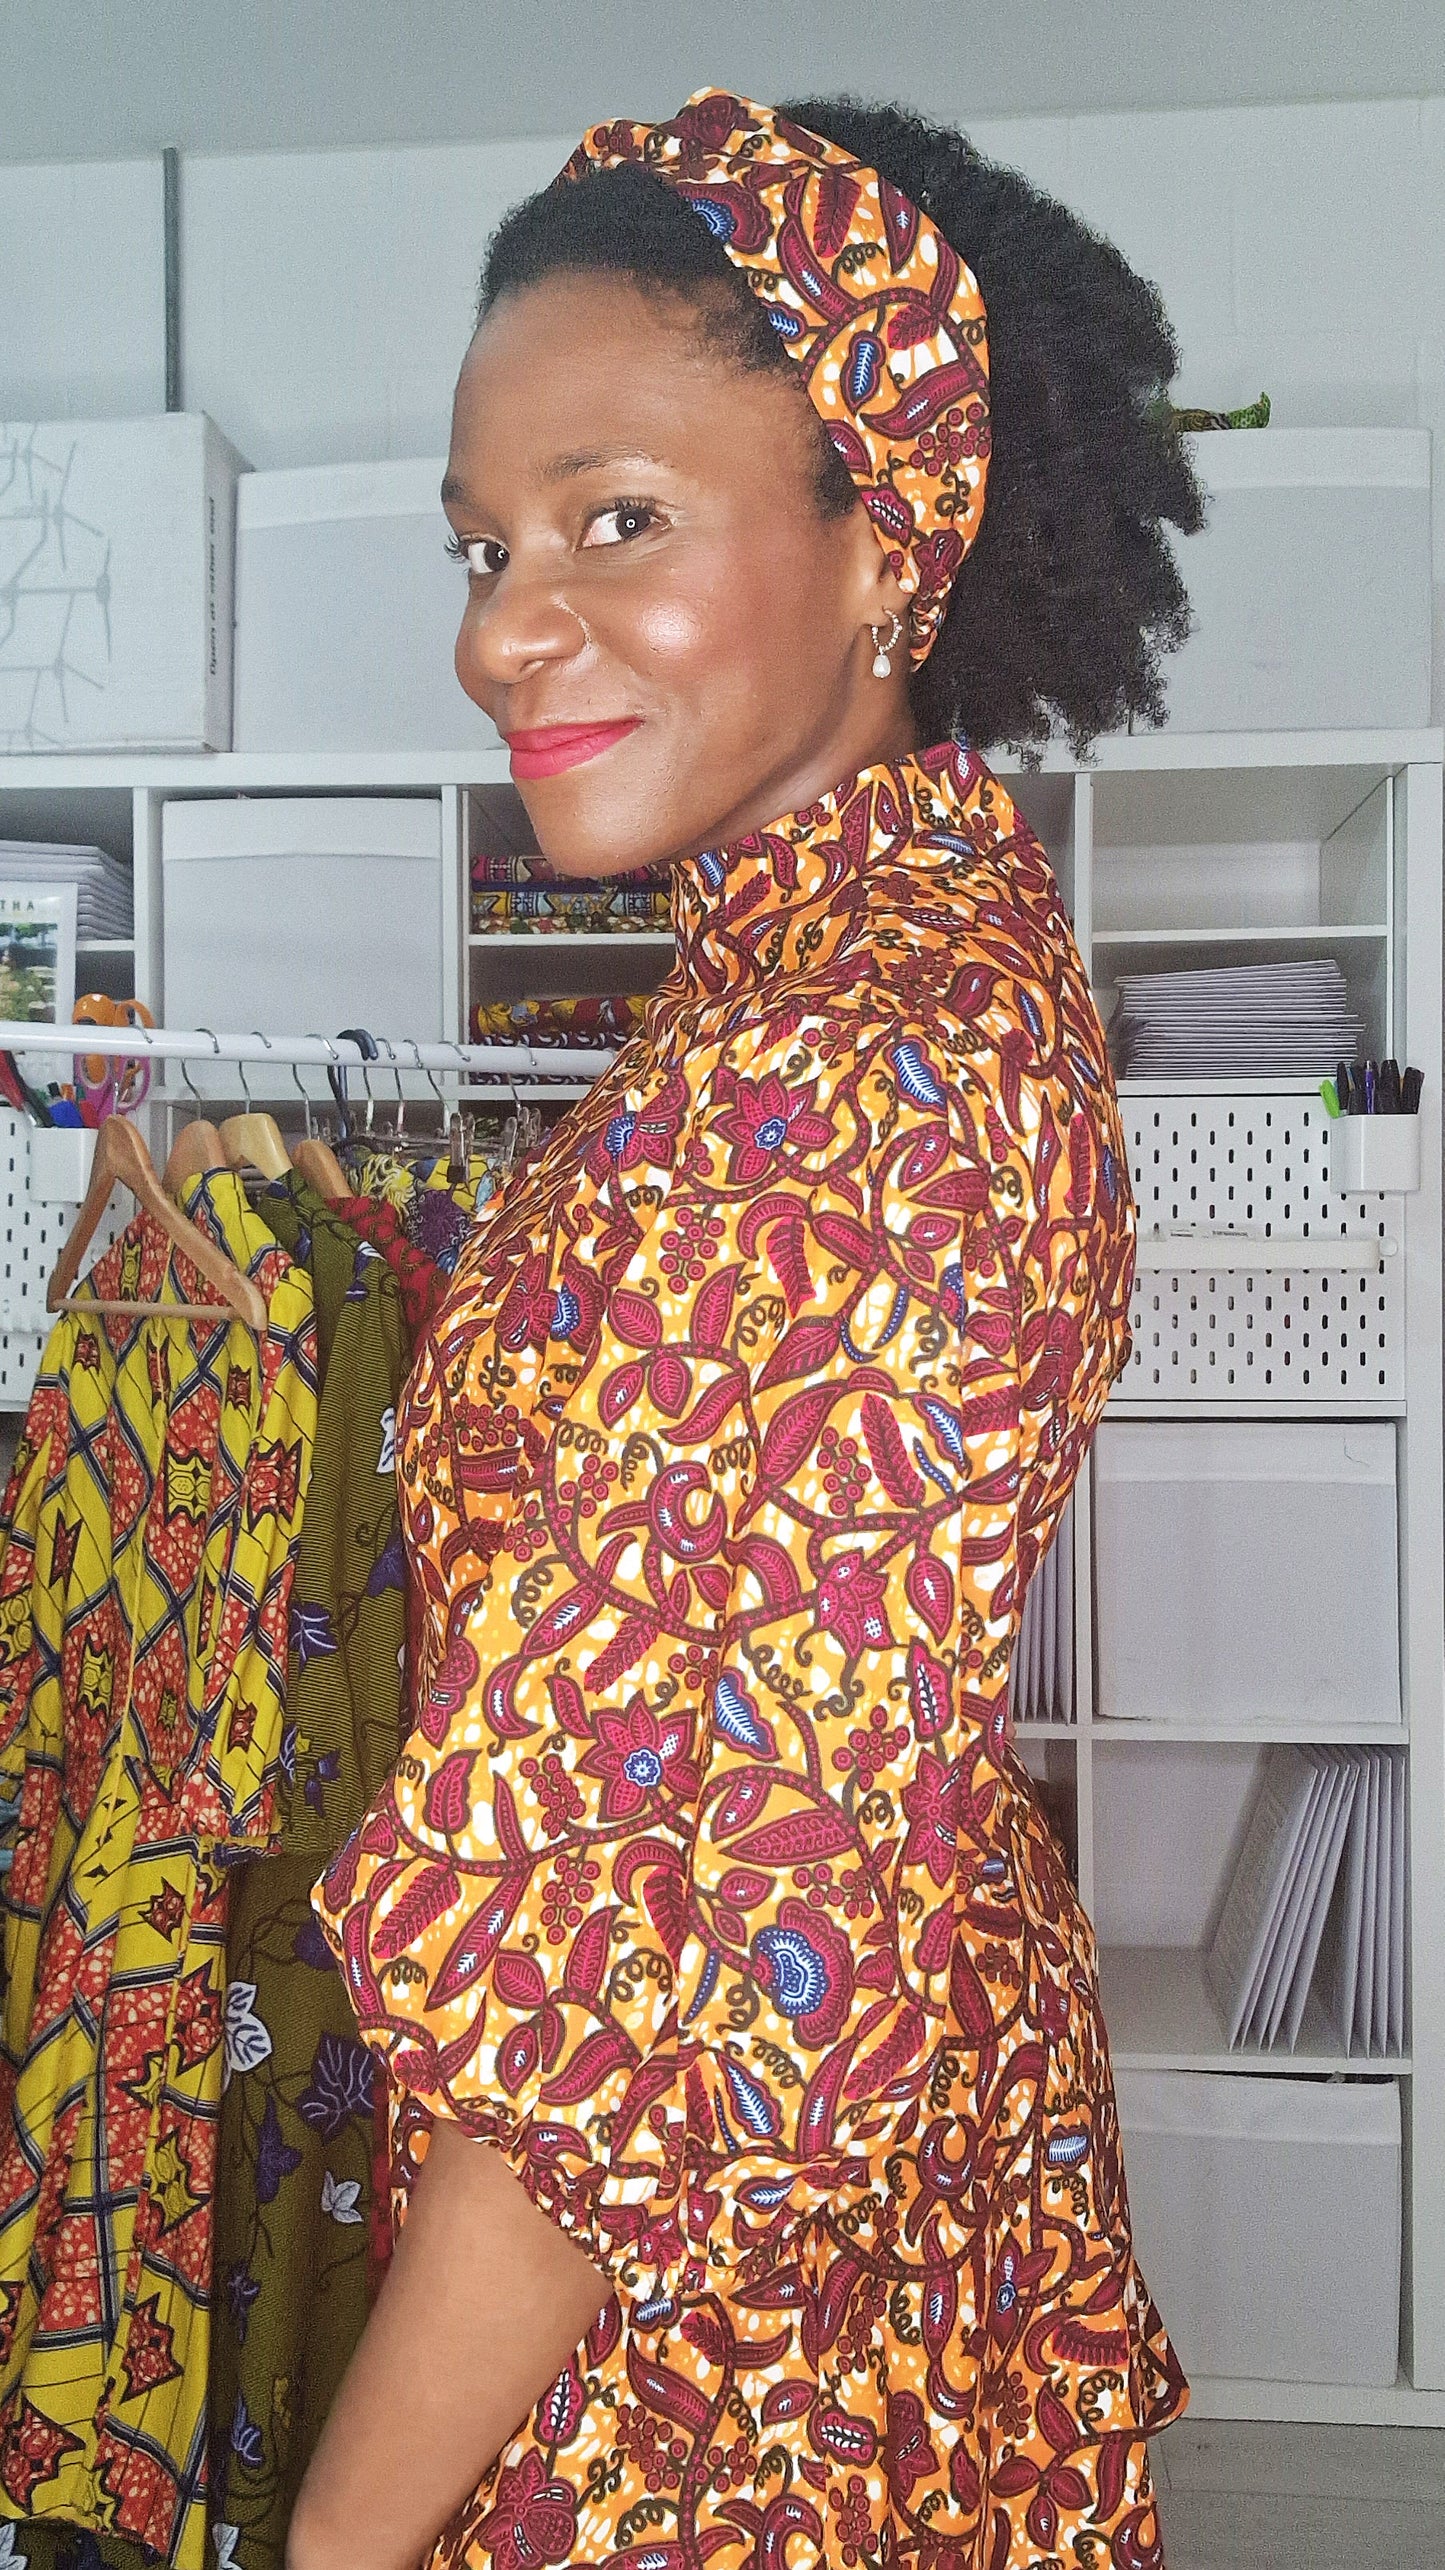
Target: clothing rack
{"points": [[322, 1052]]}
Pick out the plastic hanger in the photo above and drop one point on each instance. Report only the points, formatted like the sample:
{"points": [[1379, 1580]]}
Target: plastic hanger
{"points": [[121, 1157]]}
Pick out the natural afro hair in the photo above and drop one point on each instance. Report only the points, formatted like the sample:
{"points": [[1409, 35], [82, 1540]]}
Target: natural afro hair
{"points": [[1061, 616]]}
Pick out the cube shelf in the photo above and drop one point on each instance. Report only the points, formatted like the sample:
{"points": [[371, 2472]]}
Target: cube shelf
{"points": [[1169, 851]]}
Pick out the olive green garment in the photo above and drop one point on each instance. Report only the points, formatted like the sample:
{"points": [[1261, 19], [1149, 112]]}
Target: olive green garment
{"points": [[348, 1605], [294, 2199]]}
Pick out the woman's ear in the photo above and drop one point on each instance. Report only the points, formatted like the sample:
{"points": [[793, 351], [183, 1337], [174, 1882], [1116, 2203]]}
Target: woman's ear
{"points": [[875, 586]]}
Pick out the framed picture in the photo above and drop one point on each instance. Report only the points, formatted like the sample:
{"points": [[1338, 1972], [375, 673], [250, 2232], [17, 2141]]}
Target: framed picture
{"points": [[37, 952]]}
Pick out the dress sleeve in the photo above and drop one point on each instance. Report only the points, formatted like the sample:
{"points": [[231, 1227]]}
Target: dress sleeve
{"points": [[663, 1897]]}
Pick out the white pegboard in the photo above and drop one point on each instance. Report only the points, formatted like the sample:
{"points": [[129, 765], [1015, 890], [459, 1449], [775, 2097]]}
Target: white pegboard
{"points": [[1257, 1165], [31, 1238]]}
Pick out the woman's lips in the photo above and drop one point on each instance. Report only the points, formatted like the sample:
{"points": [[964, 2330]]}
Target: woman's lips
{"points": [[547, 752]]}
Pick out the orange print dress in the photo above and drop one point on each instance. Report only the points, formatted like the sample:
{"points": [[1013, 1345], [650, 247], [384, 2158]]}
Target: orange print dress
{"points": [[708, 1887]]}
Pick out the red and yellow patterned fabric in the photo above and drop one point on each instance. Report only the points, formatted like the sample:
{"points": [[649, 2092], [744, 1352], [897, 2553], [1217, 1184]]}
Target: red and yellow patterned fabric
{"points": [[149, 1532], [708, 1887], [884, 319]]}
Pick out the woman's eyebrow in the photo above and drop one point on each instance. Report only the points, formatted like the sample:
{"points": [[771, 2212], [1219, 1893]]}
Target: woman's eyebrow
{"points": [[559, 468], [589, 459]]}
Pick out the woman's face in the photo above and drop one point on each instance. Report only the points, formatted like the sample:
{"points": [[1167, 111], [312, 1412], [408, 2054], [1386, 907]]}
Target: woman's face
{"points": [[672, 638]]}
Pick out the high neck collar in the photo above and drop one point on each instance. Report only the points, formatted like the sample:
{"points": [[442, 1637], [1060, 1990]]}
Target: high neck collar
{"points": [[794, 894]]}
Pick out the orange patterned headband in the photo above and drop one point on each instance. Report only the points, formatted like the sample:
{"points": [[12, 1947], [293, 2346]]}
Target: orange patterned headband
{"points": [[885, 320]]}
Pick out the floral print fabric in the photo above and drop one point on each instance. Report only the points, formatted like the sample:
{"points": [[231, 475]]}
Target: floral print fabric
{"points": [[149, 1533], [708, 1887], [879, 311]]}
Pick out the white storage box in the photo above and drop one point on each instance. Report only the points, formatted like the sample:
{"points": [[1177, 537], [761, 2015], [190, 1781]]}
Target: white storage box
{"points": [[347, 609], [1267, 2219], [1311, 583], [299, 915], [117, 550], [1246, 1571]]}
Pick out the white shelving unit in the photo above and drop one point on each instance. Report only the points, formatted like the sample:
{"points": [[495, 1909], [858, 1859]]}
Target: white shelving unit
{"points": [[1285, 1302]]}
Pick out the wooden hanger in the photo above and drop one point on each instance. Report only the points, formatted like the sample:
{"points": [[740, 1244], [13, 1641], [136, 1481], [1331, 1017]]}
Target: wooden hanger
{"points": [[317, 1163], [121, 1156], [254, 1141], [196, 1151]]}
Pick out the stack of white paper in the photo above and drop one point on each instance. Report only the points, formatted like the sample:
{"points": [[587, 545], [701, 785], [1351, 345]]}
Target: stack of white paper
{"points": [[1236, 1021], [1317, 1900], [1041, 1676], [103, 899]]}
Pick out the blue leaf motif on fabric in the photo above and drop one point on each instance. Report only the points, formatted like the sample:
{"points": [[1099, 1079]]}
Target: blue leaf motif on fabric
{"points": [[947, 1428], [915, 1078], [736, 1715], [788, 324], [619, 1133], [313, 1635], [1029, 1012], [720, 219], [242, 2293], [288, 1753], [247, 2443], [275, 2158], [862, 369], [309, 1946], [342, 2085], [1067, 2149], [389, 1568], [340, 2198], [566, 1312], [799, 1974], [951, 1294], [247, 2039], [324, 1772], [754, 2105]]}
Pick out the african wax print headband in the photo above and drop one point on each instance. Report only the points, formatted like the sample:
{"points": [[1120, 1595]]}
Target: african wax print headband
{"points": [[880, 312]]}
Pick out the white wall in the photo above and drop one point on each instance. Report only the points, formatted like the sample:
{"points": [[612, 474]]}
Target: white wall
{"points": [[326, 295]]}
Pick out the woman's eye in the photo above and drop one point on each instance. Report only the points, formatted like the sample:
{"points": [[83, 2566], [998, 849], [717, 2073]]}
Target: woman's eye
{"points": [[621, 522], [483, 555]]}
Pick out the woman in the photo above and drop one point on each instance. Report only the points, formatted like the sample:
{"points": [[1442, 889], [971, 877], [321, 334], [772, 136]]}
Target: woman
{"points": [[751, 2099]]}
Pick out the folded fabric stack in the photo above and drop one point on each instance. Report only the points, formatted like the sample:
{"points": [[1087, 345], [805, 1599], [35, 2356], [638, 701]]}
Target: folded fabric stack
{"points": [[1290, 1019], [556, 1021], [103, 899], [550, 909], [502, 866]]}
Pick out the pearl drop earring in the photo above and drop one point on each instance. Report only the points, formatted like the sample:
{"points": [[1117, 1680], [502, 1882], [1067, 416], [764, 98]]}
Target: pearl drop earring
{"points": [[882, 662]]}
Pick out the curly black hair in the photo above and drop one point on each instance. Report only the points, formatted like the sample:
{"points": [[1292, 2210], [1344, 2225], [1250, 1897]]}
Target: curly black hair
{"points": [[1061, 616]]}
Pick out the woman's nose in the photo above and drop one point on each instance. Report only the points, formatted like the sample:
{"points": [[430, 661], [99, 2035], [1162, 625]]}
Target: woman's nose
{"points": [[520, 628]]}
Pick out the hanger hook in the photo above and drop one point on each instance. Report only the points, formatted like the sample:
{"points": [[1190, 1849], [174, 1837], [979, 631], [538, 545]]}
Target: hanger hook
{"points": [[400, 1092], [433, 1083], [305, 1096]]}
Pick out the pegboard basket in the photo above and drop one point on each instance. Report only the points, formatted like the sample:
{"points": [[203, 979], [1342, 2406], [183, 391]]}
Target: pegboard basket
{"points": [[35, 1221], [1375, 1154], [1258, 1280]]}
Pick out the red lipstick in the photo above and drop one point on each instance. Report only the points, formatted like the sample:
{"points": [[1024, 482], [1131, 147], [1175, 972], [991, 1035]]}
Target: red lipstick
{"points": [[559, 745]]}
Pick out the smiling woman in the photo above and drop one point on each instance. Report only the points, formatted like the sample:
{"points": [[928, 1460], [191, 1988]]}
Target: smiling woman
{"points": [[751, 2109]]}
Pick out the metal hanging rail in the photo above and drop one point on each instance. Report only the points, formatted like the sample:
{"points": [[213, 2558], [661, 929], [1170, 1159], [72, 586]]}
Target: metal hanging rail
{"points": [[322, 1052]]}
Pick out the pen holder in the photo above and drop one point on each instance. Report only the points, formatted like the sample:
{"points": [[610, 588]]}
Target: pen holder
{"points": [[60, 1163], [1375, 1155]]}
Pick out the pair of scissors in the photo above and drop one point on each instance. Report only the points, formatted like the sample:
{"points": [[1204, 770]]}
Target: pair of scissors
{"points": [[105, 1086]]}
